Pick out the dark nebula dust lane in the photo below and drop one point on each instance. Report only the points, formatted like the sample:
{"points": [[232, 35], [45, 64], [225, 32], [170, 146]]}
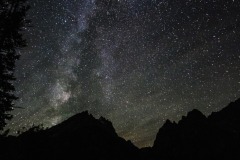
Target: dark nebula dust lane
{"points": [[135, 62]]}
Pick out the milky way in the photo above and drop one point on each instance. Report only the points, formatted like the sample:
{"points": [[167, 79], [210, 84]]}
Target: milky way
{"points": [[137, 63]]}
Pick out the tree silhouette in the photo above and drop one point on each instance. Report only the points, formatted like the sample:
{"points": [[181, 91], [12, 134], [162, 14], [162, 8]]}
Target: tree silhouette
{"points": [[12, 22]]}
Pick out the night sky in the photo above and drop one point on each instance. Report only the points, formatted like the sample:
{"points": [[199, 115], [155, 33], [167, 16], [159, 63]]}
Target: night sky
{"points": [[135, 62]]}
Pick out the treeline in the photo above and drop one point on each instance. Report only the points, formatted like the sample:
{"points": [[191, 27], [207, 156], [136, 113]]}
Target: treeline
{"points": [[12, 23]]}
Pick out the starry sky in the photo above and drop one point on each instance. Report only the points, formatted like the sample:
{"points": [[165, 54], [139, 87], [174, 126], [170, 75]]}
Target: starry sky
{"points": [[135, 62]]}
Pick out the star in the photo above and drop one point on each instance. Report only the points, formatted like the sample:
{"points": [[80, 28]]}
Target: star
{"points": [[136, 63]]}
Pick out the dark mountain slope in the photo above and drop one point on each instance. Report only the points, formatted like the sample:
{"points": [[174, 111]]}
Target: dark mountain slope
{"points": [[199, 137], [80, 137], [228, 117]]}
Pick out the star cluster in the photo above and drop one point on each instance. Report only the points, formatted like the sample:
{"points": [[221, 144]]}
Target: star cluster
{"points": [[135, 62]]}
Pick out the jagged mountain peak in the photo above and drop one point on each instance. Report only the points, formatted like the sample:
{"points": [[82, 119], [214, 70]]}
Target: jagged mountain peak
{"points": [[196, 113], [83, 123], [197, 137], [168, 124], [193, 117], [80, 135], [194, 137]]}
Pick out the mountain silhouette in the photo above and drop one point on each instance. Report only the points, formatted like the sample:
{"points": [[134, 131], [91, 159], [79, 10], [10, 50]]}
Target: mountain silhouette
{"points": [[199, 137], [82, 136], [79, 137]]}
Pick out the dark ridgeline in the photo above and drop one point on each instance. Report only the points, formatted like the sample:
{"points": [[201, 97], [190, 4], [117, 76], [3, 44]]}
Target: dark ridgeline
{"points": [[200, 137], [80, 137], [84, 137]]}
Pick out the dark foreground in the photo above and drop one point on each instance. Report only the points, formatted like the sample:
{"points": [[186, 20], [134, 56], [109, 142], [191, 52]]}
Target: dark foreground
{"points": [[84, 137]]}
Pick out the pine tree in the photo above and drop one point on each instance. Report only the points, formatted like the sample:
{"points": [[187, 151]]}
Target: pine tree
{"points": [[12, 22]]}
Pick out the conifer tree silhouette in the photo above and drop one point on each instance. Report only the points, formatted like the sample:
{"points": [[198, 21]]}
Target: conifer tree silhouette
{"points": [[12, 22]]}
